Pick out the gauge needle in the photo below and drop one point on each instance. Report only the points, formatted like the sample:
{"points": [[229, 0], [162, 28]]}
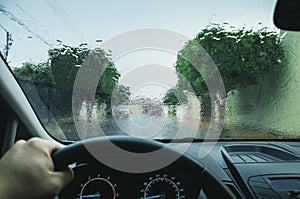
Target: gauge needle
{"points": [[91, 196], [150, 197]]}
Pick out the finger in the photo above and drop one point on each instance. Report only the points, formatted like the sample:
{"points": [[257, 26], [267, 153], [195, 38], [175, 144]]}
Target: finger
{"points": [[46, 145], [20, 142], [61, 179]]}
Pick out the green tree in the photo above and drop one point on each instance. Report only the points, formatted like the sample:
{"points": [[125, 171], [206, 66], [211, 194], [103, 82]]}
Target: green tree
{"points": [[65, 64], [38, 72], [242, 56], [61, 69], [174, 96], [66, 61]]}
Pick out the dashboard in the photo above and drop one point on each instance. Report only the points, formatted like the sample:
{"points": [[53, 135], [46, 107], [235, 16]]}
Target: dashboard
{"points": [[248, 169], [265, 169]]}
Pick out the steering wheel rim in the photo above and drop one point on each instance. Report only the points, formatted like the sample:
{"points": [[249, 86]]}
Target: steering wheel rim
{"points": [[78, 151]]}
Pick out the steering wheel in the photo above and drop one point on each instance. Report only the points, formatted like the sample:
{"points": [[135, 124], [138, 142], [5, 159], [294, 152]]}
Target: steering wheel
{"points": [[104, 148]]}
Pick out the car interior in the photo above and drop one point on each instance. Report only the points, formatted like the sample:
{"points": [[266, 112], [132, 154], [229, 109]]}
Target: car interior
{"points": [[262, 163]]}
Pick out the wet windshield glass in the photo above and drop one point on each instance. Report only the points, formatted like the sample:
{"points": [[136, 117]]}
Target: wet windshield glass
{"points": [[156, 69]]}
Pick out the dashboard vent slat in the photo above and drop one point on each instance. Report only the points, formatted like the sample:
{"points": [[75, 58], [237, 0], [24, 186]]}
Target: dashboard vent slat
{"points": [[258, 154]]}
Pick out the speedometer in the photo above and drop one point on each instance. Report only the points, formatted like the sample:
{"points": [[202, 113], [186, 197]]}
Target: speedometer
{"points": [[97, 188], [162, 187]]}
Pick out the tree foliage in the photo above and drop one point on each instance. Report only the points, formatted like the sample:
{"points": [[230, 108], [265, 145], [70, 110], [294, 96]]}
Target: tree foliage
{"points": [[242, 56], [62, 67], [66, 62], [38, 72], [174, 96]]}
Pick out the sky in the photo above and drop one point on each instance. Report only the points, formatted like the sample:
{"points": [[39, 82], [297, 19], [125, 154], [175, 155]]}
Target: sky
{"points": [[36, 26]]}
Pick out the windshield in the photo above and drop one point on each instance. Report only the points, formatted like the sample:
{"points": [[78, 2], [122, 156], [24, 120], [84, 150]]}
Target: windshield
{"points": [[155, 69]]}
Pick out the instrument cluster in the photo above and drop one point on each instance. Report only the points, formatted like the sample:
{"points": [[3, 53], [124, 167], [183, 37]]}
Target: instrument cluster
{"points": [[95, 181]]}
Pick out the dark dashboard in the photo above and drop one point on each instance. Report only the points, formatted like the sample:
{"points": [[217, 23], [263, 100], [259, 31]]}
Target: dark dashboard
{"points": [[249, 169], [255, 169]]}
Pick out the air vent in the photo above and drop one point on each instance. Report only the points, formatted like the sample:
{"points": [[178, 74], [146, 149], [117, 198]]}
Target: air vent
{"points": [[248, 157], [257, 154]]}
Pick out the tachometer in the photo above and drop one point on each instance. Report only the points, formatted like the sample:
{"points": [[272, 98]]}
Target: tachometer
{"points": [[162, 187], [96, 188]]}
